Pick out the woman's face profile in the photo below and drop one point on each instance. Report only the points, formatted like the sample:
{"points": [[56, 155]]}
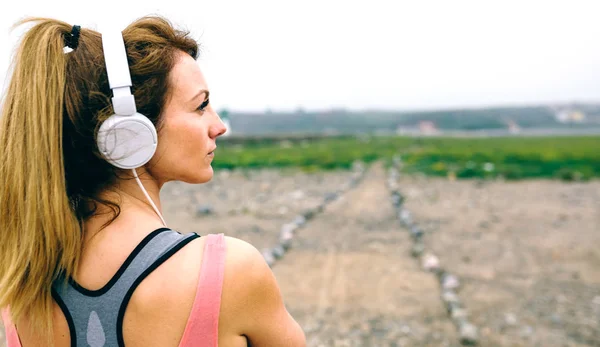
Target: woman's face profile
{"points": [[187, 138]]}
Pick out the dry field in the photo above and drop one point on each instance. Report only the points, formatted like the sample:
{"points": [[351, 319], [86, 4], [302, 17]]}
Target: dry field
{"points": [[526, 254]]}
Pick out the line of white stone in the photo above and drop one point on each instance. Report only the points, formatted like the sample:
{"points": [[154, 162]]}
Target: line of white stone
{"points": [[288, 230], [449, 283]]}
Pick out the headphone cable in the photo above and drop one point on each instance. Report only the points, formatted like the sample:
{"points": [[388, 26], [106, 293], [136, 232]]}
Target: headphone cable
{"points": [[148, 196]]}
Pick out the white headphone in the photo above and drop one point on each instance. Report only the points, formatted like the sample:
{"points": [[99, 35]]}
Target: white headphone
{"points": [[127, 139]]}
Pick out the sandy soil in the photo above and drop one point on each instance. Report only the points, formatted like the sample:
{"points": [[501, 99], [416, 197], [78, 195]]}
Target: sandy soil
{"points": [[527, 253]]}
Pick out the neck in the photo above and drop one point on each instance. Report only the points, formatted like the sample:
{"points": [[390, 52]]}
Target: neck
{"points": [[133, 203]]}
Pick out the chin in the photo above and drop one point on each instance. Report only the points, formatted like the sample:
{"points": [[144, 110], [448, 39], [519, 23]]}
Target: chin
{"points": [[200, 176]]}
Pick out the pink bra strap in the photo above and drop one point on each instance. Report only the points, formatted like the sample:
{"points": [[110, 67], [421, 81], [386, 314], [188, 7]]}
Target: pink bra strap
{"points": [[202, 328], [12, 338]]}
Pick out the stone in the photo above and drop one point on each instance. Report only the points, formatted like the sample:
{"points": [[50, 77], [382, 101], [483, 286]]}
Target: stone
{"points": [[510, 319], [300, 220], [288, 227], [397, 198], [430, 262], [285, 238], [269, 257], [309, 214], [405, 217], [416, 232], [330, 196], [484, 225], [458, 313], [449, 282], [405, 329], [453, 306], [297, 194], [468, 334], [204, 210], [449, 297], [278, 251], [358, 166], [417, 249]]}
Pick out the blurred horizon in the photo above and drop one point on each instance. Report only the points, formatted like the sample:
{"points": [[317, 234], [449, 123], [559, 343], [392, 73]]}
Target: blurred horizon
{"points": [[385, 56]]}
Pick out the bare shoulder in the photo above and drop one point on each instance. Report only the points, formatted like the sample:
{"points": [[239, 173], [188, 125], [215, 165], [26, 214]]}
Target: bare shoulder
{"points": [[245, 270], [252, 300], [246, 274], [181, 272], [243, 258]]}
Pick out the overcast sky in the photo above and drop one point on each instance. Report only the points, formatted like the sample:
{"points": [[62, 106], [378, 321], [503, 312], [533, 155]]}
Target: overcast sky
{"points": [[284, 54]]}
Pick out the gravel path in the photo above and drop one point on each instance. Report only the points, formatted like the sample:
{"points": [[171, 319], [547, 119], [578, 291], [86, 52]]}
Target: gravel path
{"points": [[350, 280]]}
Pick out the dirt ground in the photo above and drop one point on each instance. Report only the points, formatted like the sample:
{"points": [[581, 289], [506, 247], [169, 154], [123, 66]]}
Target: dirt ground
{"points": [[527, 254]]}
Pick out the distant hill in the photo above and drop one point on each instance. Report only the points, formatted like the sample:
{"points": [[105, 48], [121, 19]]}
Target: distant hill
{"points": [[340, 121]]}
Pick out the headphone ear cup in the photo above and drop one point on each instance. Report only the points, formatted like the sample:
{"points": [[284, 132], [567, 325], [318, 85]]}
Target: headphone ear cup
{"points": [[127, 142]]}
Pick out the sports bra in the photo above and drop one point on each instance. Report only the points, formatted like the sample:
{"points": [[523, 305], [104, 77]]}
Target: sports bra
{"points": [[95, 317]]}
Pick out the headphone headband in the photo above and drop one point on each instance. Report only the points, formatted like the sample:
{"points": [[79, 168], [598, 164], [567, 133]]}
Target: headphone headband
{"points": [[117, 68], [126, 139]]}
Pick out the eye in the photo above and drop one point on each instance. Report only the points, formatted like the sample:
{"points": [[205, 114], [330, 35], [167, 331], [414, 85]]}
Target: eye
{"points": [[203, 105]]}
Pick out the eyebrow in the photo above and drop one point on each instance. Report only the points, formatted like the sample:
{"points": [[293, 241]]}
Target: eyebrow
{"points": [[202, 91]]}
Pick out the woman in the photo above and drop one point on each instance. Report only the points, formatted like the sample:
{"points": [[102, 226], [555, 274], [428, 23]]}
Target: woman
{"points": [[85, 256]]}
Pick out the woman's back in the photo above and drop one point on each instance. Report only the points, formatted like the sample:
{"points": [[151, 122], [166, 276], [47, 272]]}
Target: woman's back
{"points": [[182, 296]]}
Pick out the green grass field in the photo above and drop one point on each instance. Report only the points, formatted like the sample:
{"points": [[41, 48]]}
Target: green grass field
{"points": [[568, 158]]}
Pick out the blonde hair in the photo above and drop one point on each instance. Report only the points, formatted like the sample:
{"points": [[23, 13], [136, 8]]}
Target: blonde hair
{"points": [[52, 172]]}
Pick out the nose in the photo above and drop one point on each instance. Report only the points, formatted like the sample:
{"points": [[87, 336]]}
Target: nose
{"points": [[218, 128]]}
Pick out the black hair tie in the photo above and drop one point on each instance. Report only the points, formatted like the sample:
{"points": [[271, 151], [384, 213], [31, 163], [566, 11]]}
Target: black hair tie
{"points": [[72, 40]]}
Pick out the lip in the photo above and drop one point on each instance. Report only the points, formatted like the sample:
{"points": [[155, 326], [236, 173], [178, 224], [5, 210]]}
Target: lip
{"points": [[212, 152]]}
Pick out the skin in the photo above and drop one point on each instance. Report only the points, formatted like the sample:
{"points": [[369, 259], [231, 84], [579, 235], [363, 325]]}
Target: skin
{"points": [[252, 309]]}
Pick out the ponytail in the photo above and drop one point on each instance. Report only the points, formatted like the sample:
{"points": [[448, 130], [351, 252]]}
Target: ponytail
{"points": [[40, 235]]}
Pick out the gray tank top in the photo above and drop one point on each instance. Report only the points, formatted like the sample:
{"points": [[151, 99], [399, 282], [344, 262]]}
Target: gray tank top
{"points": [[95, 317]]}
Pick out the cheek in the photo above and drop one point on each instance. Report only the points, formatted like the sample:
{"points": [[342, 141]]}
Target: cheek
{"points": [[182, 137], [183, 130], [188, 140], [195, 136]]}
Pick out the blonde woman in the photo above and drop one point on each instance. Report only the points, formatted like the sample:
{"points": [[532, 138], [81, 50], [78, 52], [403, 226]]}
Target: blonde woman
{"points": [[85, 256]]}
